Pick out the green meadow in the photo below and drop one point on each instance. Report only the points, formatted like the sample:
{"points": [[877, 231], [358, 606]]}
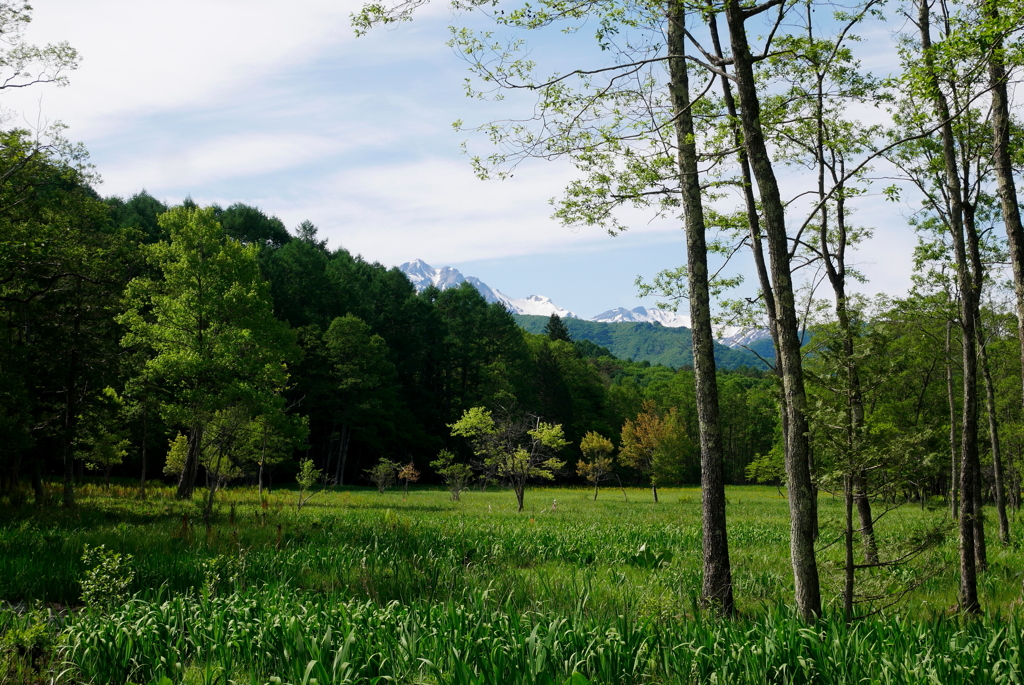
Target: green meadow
{"points": [[362, 587]]}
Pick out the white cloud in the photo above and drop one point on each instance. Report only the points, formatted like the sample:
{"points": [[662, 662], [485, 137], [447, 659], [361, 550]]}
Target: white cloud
{"points": [[279, 106], [168, 166], [140, 58]]}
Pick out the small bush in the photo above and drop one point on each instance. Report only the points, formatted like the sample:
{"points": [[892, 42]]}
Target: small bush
{"points": [[107, 582]]}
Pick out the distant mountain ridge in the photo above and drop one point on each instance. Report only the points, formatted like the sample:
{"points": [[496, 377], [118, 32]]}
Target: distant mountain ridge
{"points": [[423, 276], [643, 315], [645, 341]]}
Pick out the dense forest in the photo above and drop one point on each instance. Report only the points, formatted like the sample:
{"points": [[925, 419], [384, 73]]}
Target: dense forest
{"points": [[106, 362]]}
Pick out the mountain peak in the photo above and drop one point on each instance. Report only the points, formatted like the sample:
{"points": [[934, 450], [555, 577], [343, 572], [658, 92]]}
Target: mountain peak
{"points": [[423, 276], [643, 315]]}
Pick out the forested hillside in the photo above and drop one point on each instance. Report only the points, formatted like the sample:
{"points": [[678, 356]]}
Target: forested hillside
{"points": [[650, 342], [188, 344]]}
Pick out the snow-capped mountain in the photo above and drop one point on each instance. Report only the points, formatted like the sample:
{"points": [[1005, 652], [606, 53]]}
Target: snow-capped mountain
{"points": [[536, 305], [737, 336], [423, 276], [642, 314]]}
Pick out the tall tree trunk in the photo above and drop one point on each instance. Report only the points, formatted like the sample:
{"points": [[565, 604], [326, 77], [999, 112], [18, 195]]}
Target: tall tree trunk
{"points": [[997, 457], [145, 439], [801, 504], [187, 481], [717, 587], [977, 278], [969, 433], [848, 584], [1002, 163], [753, 225], [263, 460], [346, 433], [37, 482], [954, 485], [654, 491]]}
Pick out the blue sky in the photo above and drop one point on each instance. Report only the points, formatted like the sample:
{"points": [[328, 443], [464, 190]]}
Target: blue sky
{"points": [[280, 106]]}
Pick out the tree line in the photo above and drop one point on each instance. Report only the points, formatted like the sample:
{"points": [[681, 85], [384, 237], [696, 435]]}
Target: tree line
{"points": [[211, 345]]}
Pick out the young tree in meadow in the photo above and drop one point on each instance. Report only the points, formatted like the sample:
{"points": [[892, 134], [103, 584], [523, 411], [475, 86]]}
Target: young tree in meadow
{"points": [[270, 439], [517, 448], [104, 439], [307, 477], [106, 451], [209, 328], [598, 449], [408, 474], [652, 443], [382, 474], [457, 476]]}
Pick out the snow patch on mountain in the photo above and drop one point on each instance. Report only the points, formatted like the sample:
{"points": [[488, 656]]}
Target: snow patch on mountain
{"points": [[535, 305], [642, 314], [423, 276], [741, 336]]}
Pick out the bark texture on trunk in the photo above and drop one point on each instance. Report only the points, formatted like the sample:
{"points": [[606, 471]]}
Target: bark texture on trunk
{"points": [[801, 503], [997, 456], [716, 591], [187, 481], [969, 467], [1003, 166], [753, 224], [954, 483]]}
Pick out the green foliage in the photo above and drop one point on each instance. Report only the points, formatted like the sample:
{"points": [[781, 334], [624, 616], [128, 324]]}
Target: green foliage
{"points": [[516, 448], [767, 468], [555, 329], [655, 444], [598, 449], [208, 322], [177, 455], [109, 576], [382, 474], [457, 476], [216, 353], [307, 477]]}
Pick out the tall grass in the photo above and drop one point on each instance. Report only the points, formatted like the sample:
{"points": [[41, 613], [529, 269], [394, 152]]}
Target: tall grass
{"points": [[359, 587], [302, 639]]}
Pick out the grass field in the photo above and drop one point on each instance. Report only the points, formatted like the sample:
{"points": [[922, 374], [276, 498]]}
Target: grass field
{"points": [[361, 587]]}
